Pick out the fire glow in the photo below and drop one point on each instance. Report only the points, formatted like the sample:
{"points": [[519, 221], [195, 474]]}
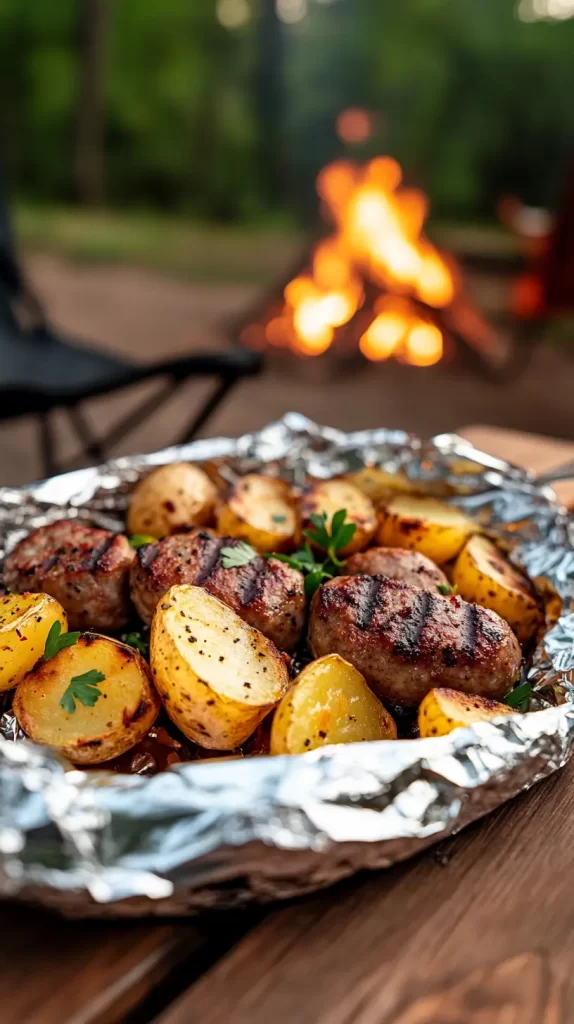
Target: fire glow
{"points": [[378, 242]]}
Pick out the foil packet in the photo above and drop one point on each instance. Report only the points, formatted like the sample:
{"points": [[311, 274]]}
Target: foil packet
{"points": [[199, 835]]}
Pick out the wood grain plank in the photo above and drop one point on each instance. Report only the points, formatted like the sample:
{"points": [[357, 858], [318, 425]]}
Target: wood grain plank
{"points": [[477, 935]]}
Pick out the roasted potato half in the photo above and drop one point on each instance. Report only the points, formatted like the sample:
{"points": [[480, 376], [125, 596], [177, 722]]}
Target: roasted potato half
{"points": [[118, 710], [170, 499], [484, 576], [378, 484], [260, 510], [25, 621], [329, 702], [328, 496], [443, 710], [426, 525], [217, 676]]}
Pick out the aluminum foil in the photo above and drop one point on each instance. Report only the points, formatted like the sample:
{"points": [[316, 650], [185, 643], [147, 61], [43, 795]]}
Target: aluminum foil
{"points": [[221, 834]]}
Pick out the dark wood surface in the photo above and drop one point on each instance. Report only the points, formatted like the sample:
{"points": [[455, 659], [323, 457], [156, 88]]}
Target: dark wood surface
{"points": [[476, 932], [68, 972]]}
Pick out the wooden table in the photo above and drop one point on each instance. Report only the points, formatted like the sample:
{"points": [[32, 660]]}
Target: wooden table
{"points": [[476, 931]]}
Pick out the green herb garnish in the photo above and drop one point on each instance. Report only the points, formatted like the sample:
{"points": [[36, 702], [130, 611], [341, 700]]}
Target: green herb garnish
{"points": [[135, 640], [278, 519], [446, 589], [334, 541], [241, 554], [83, 688], [137, 540], [56, 640], [520, 697], [330, 541]]}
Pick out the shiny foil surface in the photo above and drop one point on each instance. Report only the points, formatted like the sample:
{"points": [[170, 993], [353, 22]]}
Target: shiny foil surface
{"points": [[99, 843]]}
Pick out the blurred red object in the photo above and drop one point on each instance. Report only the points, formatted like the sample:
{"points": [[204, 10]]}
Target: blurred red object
{"points": [[547, 287]]}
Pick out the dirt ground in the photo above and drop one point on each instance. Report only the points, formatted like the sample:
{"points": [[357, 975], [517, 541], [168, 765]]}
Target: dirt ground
{"points": [[145, 316]]}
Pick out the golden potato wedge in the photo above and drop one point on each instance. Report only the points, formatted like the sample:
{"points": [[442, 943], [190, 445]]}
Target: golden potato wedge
{"points": [[328, 496], [260, 510], [426, 525], [217, 676], [110, 714], [25, 621], [378, 484], [484, 576], [170, 499], [329, 702], [443, 710]]}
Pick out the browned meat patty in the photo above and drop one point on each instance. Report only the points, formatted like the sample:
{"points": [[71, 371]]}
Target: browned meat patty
{"points": [[398, 564], [85, 569], [406, 641], [266, 593]]}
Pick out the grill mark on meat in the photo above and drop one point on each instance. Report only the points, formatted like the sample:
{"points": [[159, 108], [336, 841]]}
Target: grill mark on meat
{"points": [[147, 554], [368, 598], [251, 582], [469, 631], [409, 641], [449, 656], [44, 566], [489, 630], [92, 562], [208, 556]]}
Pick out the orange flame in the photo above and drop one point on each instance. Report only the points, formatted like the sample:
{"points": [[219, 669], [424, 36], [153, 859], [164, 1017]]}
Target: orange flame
{"points": [[378, 235]]}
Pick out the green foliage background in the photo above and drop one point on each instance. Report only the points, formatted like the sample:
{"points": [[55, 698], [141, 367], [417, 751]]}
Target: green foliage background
{"points": [[472, 101]]}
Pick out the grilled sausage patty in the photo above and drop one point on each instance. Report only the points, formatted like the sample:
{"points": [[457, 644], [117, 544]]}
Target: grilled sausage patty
{"points": [[398, 564], [84, 568], [266, 593], [406, 641]]}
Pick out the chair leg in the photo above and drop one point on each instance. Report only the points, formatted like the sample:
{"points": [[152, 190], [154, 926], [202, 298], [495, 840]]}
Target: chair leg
{"points": [[92, 447], [209, 406], [47, 445]]}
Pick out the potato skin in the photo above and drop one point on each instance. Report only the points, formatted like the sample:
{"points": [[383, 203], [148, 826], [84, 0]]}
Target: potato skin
{"points": [[170, 499], [261, 511], [435, 529], [328, 496], [443, 710], [25, 621], [122, 716], [329, 702], [483, 575], [217, 676]]}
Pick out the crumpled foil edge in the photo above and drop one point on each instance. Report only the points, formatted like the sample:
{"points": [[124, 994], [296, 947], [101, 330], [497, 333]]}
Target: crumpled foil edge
{"points": [[222, 834]]}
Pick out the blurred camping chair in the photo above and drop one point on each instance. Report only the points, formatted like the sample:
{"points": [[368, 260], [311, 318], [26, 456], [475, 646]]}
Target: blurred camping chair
{"points": [[41, 369]]}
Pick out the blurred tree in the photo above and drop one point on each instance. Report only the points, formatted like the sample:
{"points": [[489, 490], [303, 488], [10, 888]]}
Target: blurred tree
{"points": [[90, 115], [270, 100], [326, 72]]}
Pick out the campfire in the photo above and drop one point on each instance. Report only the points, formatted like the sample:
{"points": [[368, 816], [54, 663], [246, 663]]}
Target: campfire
{"points": [[376, 282]]}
